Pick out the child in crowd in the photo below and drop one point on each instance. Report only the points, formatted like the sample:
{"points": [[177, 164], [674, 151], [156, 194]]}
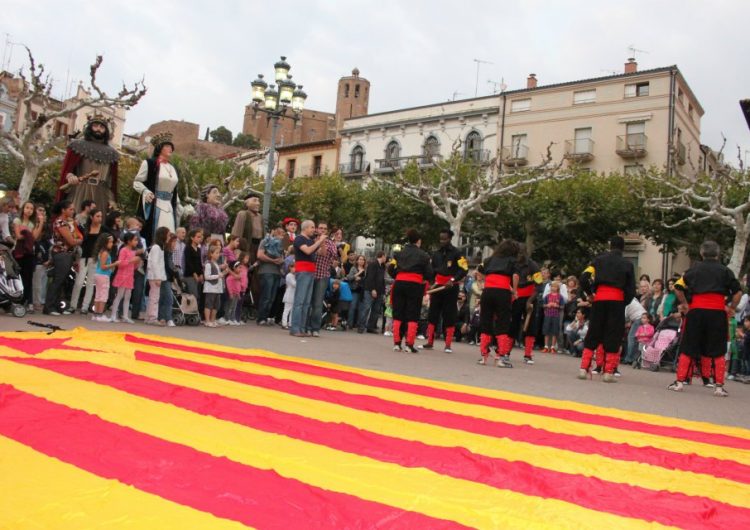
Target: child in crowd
{"points": [[166, 298], [213, 284], [645, 331], [388, 313], [156, 273], [230, 249], [104, 267], [332, 296], [127, 262], [234, 284], [553, 304], [423, 315], [193, 273], [291, 287]]}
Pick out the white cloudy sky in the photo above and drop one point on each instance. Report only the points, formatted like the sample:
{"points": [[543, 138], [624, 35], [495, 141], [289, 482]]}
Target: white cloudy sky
{"points": [[198, 58]]}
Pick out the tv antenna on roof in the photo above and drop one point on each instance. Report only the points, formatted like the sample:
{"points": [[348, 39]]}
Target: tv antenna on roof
{"points": [[632, 49], [457, 93], [476, 85], [495, 85]]}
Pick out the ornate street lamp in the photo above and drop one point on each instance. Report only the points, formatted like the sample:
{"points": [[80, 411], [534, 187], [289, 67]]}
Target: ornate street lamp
{"points": [[276, 104]]}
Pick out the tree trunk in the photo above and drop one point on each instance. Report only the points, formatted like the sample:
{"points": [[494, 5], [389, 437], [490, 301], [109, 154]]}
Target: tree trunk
{"points": [[456, 229], [738, 251], [30, 174], [529, 241]]}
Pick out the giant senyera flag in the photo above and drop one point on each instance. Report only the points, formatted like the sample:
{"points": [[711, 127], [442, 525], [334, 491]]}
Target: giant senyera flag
{"points": [[113, 430]]}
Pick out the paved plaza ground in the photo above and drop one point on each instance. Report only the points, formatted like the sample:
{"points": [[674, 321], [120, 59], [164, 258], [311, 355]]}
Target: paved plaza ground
{"points": [[552, 376]]}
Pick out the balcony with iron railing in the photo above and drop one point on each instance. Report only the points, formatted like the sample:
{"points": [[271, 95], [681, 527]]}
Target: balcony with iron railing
{"points": [[579, 150], [632, 145], [357, 168], [479, 156], [310, 171], [389, 165], [515, 155]]}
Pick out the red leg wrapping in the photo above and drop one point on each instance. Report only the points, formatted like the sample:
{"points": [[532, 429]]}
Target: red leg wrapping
{"points": [[430, 333], [396, 331], [484, 344], [586, 358], [411, 333], [683, 367], [449, 331], [720, 366], [612, 360], [600, 356], [706, 367], [528, 346]]}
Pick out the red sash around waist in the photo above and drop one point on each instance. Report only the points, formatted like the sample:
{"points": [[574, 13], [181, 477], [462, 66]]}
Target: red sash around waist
{"points": [[304, 266], [409, 277], [605, 293], [525, 291], [442, 279], [497, 281], [708, 301]]}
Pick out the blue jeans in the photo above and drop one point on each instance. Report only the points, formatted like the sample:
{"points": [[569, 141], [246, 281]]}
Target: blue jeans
{"points": [[302, 297], [316, 310], [269, 284], [355, 304], [632, 344], [165, 301], [370, 310]]}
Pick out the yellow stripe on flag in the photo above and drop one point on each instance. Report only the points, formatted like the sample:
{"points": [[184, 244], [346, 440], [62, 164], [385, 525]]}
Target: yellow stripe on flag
{"points": [[40, 492]]}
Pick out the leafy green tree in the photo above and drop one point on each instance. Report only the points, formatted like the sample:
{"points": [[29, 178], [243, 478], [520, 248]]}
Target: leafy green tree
{"points": [[221, 135], [248, 141]]}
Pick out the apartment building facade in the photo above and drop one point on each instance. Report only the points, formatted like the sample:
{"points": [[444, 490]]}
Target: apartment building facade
{"points": [[618, 123]]}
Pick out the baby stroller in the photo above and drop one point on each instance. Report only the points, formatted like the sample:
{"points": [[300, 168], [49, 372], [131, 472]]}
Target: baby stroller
{"points": [[248, 311], [184, 305], [654, 352], [11, 287]]}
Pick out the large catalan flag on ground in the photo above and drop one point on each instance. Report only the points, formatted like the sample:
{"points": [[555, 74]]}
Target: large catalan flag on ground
{"points": [[112, 430]]}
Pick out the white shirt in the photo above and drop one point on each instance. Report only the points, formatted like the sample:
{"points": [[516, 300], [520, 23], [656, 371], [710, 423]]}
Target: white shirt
{"points": [[156, 269], [208, 276], [291, 287]]}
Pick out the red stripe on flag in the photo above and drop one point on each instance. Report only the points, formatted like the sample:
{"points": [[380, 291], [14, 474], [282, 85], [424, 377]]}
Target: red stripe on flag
{"points": [[461, 397], [673, 509], [496, 429], [184, 475]]}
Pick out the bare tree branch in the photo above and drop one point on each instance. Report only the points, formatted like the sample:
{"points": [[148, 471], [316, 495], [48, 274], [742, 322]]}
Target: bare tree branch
{"points": [[33, 142]]}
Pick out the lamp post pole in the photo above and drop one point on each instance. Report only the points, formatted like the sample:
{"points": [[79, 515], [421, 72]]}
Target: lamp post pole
{"points": [[276, 104], [269, 172]]}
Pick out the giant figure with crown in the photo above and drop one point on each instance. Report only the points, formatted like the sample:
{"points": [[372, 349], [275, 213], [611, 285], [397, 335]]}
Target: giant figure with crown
{"points": [[89, 170], [156, 183]]}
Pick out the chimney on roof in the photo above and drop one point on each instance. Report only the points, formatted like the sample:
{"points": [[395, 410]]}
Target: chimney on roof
{"points": [[531, 81], [631, 66]]}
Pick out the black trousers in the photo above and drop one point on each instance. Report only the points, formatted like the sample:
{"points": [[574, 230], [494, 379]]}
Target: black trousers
{"points": [[606, 326], [407, 301], [444, 304], [495, 313]]}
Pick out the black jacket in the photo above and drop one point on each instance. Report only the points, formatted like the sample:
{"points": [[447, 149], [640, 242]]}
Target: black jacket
{"points": [[611, 269], [375, 278], [411, 258], [495, 265], [708, 276], [449, 261]]}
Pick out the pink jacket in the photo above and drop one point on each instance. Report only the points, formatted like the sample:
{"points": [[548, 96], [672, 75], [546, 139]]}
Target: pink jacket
{"points": [[237, 286], [644, 333]]}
